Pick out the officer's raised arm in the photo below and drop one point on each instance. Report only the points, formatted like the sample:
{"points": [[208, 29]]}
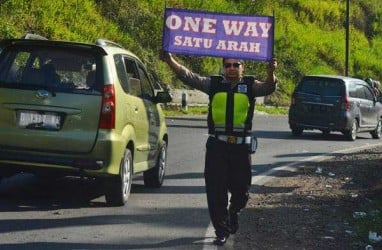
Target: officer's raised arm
{"points": [[172, 63], [272, 65], [185, 75], [269, 85]]}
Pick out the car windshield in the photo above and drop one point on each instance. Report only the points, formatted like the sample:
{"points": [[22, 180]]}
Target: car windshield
{"points": [[322, 87], [54, 67]]}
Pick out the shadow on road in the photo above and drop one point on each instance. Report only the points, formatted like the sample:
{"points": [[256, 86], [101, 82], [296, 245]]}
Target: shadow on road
{"points": [[25, 192], [169, 244]]}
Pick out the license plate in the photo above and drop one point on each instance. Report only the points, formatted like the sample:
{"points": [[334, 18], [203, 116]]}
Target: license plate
{"points": [[38, 120]]}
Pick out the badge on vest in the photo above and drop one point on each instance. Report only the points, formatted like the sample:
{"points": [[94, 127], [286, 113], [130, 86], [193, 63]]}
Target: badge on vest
{"points": [[242, 88]]}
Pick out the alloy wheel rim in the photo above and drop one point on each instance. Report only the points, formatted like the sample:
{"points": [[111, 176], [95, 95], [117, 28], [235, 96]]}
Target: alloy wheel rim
{"points": [[162, 163], [126, 177], [354, 130]]}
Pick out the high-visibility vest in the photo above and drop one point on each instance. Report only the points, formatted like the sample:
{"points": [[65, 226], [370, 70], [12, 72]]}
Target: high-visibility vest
{"points": [[231, 108]]}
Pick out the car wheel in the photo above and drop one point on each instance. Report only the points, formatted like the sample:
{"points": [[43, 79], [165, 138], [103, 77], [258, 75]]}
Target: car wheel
{"points": [[352, 133], [154, 177], [296, 131], [377, 132], [118, 188]]}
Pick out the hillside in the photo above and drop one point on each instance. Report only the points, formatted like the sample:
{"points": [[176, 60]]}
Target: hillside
{"points": [[309, 39]]}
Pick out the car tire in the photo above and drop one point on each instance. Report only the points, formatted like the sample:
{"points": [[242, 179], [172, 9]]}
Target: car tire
{"points": [[377, 132], [297, 131], [154, 177], [118, 188], [352, 133]]}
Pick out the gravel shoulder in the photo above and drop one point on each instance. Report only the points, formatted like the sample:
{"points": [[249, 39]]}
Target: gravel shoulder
{"points": [[314, 207]]}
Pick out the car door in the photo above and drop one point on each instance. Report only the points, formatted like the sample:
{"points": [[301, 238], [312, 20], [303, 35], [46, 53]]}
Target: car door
{"points": [[134, 106], [367, 108], [151, 108], [372, 111]]}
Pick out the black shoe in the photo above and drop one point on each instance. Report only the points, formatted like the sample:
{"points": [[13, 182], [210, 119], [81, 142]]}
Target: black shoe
{"points": [[220, 240], [233, 222]]}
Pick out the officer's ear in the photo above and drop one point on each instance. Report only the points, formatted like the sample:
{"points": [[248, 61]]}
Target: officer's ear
{"points": [[222, 71]]}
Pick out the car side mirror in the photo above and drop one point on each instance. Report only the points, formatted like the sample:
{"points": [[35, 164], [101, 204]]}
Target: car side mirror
{"points": [[163, 97]]}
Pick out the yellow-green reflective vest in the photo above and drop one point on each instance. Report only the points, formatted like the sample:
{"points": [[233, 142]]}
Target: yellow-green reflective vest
{"points": [[231, 108]]}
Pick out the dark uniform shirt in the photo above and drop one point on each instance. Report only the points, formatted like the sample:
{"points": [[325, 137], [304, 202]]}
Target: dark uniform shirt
{"points": [[203, 83]]}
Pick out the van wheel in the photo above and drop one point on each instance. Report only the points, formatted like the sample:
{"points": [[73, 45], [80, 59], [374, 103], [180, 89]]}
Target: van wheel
{"points": [[376, 133], [352, 133], [154, 177], [118, 188], [296, 131]]}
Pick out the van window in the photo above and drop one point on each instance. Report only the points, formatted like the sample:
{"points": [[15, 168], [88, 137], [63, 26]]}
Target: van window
{"points": [[352, 89], [58, 68], [134, 84], [146, 85], [360, 92], [121, 72], [364, 92], [323, 87], [368, 93]]}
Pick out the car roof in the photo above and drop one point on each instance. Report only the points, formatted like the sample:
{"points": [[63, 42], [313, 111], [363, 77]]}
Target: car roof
{"points": [[344, 78], [10, 42], [101, 46]]}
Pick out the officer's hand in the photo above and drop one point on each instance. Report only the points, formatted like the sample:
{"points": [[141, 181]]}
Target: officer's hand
{"points": [[272, 65], [165, 56]]}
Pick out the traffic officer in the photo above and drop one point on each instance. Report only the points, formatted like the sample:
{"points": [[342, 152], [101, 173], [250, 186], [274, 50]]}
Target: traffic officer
{"points": [[228, 147]]}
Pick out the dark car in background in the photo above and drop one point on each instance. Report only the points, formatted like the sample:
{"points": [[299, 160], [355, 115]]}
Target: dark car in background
{"points": [[335, 103]]}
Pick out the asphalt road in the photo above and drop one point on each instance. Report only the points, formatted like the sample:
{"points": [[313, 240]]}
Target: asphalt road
{"points": [[38, 213]]}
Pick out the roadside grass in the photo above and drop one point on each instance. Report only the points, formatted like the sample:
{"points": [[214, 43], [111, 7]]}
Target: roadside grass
{"points": [[177, 110], [272, 110]]}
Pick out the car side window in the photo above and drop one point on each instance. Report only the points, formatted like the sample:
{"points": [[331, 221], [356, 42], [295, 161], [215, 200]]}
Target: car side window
{"points": [[121, 72], [352, 89], [363, 92], [134, 84], [128, 75], [131, 67], [359, 93], [147, 90], [368, 93]]}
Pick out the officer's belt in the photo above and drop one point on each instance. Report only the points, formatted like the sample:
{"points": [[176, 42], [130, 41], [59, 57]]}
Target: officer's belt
{"points": [[233, 139]]}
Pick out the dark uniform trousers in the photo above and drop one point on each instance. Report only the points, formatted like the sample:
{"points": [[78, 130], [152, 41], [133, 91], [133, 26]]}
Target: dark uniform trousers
{"points": [[227, 169]]}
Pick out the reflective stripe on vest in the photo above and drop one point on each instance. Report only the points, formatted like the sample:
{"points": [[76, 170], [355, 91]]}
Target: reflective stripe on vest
{"points": [[240, 109], [219, 104], [241, 106]]}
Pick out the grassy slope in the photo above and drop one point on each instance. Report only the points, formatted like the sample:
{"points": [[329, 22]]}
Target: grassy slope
{"points": [[310, 35]]}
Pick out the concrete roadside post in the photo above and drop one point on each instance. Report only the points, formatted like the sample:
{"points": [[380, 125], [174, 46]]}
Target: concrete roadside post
{"points": [[184, 101]]}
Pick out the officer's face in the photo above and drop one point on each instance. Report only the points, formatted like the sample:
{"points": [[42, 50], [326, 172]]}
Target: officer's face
{"points": [[233, 68]]}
